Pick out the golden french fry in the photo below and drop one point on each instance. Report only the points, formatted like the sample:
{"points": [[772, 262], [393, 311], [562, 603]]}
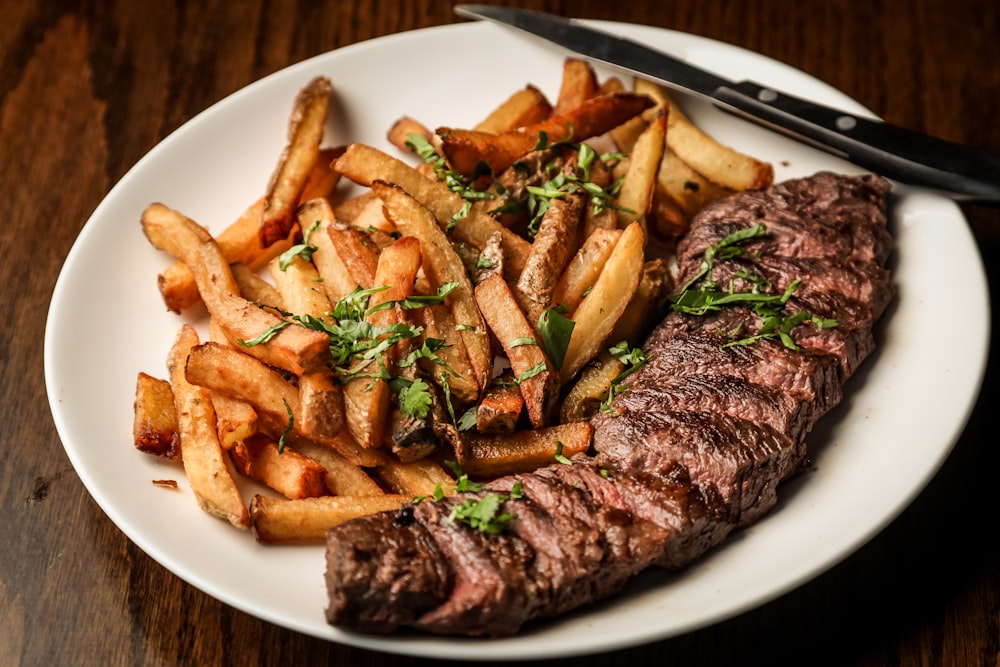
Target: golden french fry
{"points": [[549, 254], [399, 133], [334, 276], [579, 84], [357, 251], [305, 133], [255, 288], [466, 149], [201, 453], [524, 451], [235, 419], [596, 315], [322, 179], [626, 134], [636, 194], [364, 165], [293, 348], [688, 189], [501, 407], [278, 520], [300, 287], [643, 310], [721, 164], [286, 471], [532, 369], [154, 428], [442, 265], [343, 477], [591, 390], [423, 477], [321, 404], [438, 322], [524, 107], [367, 399], [583, 270]]}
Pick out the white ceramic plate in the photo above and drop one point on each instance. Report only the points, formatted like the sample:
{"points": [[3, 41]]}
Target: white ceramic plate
{"points": [[899, 420]]}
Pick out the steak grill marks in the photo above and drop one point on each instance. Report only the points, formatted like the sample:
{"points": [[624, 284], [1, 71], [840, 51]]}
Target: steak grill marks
{"points": [[696, 447]]}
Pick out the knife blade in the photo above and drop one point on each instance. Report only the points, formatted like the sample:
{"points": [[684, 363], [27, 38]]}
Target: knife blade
{"points": [[960, 172]]}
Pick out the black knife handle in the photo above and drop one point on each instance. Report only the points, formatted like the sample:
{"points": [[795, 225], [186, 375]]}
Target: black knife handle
{"points": [[892, 151]]}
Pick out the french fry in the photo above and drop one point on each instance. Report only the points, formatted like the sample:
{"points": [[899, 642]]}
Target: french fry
{"points": [[235, 419], [253, 287], [399, 133], [416, 478], [466, 149], [643, 310], [526, 106], [321, 404], [524, 451], [357, 251], [636, 194], [333, 274], [154, 427], [305, 133], [438, 322], [322, 179], [591, 390], [532, 369], [364, 165], [442, 265], [293, 348], [688, 189], [201, 454], [719, 163], [579, 84], [367, 399], [583, 270], [281, 521], [343, 478], [286, 471], [549, 254], [596, 315], [501, 407], [626, 134]]}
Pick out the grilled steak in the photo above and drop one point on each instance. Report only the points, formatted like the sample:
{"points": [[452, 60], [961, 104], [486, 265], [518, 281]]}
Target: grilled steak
{"points": [[693, 449]]}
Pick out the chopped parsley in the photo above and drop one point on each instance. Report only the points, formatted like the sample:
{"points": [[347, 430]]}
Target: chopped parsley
{"points": [[304, 250], [701, 295], [633, 358], [556, 331]]}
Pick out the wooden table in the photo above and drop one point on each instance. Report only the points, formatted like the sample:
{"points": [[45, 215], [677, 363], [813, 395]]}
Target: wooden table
{"points": [[87, 88]]}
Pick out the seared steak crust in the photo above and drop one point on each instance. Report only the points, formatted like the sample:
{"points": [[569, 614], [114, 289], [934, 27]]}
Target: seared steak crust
{"points": [[694, 448]]}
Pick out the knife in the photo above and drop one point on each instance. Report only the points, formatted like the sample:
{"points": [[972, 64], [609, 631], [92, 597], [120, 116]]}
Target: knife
{"points": [[957, 171]]}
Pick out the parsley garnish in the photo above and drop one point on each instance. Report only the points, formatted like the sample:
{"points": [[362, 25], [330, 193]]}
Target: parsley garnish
{"points": [[556, 331], [451, 178], [532, 372], [288, 428], [414, 398], [559, 455], [304, 250]]}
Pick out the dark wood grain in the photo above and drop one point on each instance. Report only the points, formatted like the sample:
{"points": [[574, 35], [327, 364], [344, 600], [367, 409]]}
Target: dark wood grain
{"points": [[87, 88]]}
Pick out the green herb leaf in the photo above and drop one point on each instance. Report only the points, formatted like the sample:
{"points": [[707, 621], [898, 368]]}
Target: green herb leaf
{"points": [[556, 331], [288, 428], [559, 455], [415, 399]]}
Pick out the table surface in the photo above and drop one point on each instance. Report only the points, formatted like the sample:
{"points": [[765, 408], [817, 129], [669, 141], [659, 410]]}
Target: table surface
{"points": [[87, 88]]}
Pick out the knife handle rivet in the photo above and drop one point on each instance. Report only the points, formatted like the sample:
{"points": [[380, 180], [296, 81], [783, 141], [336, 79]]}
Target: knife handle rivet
{"points": [[846, 123], [767, 95]]}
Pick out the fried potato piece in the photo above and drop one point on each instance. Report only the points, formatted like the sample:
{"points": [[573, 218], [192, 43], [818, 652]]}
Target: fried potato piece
{"points": [[399, 133], [423, 477], [201, 453], [300, 155], [442, 265], [501, 407], [579, 84], [524, 451], [596, 315], [254, 288], [364, 165], [626, 134], [286, 471], [643, 310], [280, 521], [721, 164], [592, 389], [333, 274], [343, 477], [583, 270], [292, 348], [367, 399], [524, 107], [549, 254], [357, 252], [465, 149], [635, 197], [235, 419], [154, 427], [321, 404], [686, 187], [532, 369]]}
